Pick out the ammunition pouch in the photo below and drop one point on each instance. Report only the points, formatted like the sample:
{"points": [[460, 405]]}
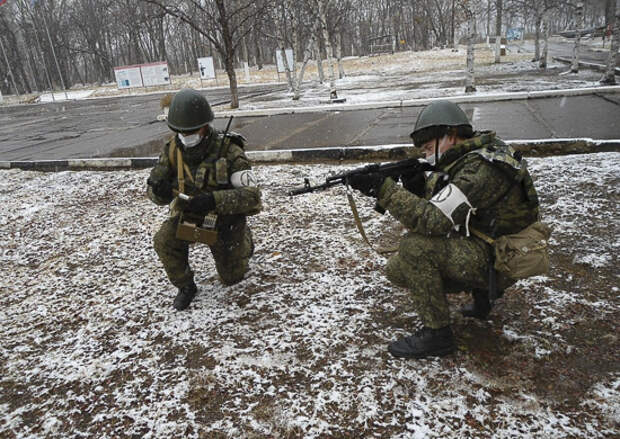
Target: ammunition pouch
{"points": [[189, 230]]}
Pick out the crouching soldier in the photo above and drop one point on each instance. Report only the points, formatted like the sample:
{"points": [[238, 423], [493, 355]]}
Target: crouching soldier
{"points": [[206, 178], [478, 184]]}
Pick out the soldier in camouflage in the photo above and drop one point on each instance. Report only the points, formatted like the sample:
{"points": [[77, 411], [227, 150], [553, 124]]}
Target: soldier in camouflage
{"points": [[479, 183], [203, 173]]}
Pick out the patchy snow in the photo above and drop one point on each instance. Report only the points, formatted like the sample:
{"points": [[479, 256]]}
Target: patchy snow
{"points": [[400, 83], [63, 96], [92, 346], [400, 76]]}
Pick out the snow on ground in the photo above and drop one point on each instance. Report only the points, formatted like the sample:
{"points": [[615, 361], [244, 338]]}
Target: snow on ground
{"points": [[63, 96], [91, 346], [430, 74]]}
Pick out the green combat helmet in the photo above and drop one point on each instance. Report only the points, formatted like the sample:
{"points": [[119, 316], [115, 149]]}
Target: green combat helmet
{"points": [[189, 111], [435, 120]]}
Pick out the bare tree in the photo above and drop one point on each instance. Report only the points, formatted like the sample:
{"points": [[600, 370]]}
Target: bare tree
{"points": [[498, 29], [579, 26], [322, 6], [612, 59], [542, 62], [222, 23], [471, 35]]}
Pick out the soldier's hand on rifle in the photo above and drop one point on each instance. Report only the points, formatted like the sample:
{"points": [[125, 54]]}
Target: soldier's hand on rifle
{"points": [[414, 183], [161, 188], [201, 204], [368, 184]]}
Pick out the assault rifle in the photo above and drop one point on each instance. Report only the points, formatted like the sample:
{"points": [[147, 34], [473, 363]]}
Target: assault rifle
{"points": [[406, 170], [403, 168]]}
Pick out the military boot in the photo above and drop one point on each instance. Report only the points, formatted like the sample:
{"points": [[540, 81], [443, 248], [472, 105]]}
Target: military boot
{"points": [[185, 296], [427, 342], [481, 307]]}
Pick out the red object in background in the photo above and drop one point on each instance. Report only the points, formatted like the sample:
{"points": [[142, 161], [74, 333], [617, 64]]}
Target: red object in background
{"points": [[2, 2]]}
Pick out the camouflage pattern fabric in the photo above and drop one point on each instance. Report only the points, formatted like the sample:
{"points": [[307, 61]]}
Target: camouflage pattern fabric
{"points": [[234, 247], [232, 252], [430, 266], [435, 258]]}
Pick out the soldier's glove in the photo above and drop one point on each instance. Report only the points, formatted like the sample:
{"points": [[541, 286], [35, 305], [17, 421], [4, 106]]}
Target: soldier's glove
{"points": [[201, 204], [368, 184], [161, 188], [414, 183]]}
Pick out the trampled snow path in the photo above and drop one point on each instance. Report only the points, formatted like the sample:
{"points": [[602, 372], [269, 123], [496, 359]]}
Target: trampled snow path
{"points": [[91, 346]]}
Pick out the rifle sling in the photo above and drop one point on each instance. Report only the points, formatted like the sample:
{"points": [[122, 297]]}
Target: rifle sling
{"points": [[180, 174], [360, 226]]}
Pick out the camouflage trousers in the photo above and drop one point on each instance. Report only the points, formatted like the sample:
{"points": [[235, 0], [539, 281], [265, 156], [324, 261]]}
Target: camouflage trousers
{"points": [[432, 266], [231, 252]]}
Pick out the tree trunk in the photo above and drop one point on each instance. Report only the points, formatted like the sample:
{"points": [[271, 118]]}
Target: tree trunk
{"points": [[229, 55], [498, 30], [300, 77], [232, 79], [538, 22], [280, 32], [339, 56], [469, 76], [319, 60], [287, 69], [545, 52], [246, 59], [452, 34], [488, 20], [579, 25], [612, 58], [328, 49], [257, 50]]}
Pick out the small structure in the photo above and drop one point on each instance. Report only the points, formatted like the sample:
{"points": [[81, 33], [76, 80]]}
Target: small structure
{"points": [[381, 44]]}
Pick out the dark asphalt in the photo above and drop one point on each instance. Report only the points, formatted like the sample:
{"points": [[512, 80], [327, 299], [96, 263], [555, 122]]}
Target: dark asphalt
{"points": [[117, 127], [127, 126], [584, 116], [92, 127]]}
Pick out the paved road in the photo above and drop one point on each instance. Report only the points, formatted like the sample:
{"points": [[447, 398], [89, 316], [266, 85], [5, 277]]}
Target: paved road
{"points": [[583, 116], [86, 129], [563, 49], [89, 128]]}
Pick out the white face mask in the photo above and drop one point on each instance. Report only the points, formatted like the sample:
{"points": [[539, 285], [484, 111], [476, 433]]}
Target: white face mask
{"points": [[191, 140], [440, 146]]}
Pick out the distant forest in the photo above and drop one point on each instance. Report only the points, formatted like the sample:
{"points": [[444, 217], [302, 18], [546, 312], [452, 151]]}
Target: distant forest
{"points": [[62, 43]]}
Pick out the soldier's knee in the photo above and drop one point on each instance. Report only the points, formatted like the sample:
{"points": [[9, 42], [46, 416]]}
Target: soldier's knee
{"points": [[396, 269], [417, 249], [233, 275], [159, 242], [163, 238]]}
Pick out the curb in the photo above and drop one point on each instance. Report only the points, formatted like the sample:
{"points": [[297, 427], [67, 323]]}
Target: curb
{"points": [[467, 99], [530, 148], [587, 65]]}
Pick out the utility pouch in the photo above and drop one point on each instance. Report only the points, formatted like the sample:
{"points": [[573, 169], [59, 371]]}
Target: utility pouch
{"points": [[521, 254], [221, 171], [189, 231]]}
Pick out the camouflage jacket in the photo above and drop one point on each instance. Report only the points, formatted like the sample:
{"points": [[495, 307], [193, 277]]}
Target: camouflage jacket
{"points": [[479, 183], [217, 165]]}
